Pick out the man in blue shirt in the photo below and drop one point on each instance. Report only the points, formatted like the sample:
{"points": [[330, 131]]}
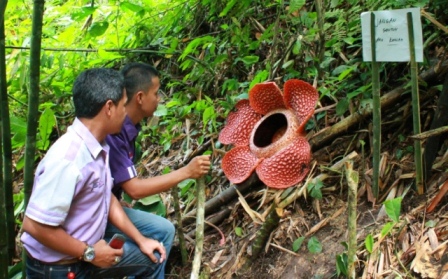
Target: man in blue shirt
{"points": [[142, 84]]}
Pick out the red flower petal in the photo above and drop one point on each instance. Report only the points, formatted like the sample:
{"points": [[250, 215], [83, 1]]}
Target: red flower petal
{"points": [[265, 97], [301, 97], [287, 167], [239, 125], [239, 163]]}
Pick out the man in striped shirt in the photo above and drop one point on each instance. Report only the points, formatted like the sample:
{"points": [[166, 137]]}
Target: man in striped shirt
{"points": [[142, 84]]}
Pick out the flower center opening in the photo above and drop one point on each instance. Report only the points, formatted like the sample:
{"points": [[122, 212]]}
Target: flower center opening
{"points": [[270, 130]]}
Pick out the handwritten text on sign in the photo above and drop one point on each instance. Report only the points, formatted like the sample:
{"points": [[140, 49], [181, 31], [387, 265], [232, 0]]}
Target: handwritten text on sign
{"points": [[391, 33]]}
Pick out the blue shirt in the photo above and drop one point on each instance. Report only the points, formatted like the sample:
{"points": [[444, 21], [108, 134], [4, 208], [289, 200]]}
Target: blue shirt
{"points": [[72, 189], [122, 150]]}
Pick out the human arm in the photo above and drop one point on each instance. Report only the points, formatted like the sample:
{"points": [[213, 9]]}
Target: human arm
{"points": [[138, 188], [119, 219], [56, 238]]}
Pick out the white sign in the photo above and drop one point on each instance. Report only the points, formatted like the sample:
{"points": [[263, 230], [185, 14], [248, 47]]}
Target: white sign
{"points": [[391, 35]]}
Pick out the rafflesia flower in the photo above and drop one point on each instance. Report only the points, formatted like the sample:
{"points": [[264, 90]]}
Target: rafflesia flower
{"points": [[268, 132]]}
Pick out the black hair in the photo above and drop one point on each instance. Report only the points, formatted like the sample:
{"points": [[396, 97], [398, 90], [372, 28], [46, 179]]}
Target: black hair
{"points": [[138, 77], [93, 88]]}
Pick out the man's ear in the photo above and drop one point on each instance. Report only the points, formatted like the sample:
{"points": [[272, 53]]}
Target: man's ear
{"points": [[139, 97], [108, 107]]}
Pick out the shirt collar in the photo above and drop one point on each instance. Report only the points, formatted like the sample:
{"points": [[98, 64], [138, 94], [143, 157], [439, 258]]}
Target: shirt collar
{"points": [[91, 142], [130, 130]]}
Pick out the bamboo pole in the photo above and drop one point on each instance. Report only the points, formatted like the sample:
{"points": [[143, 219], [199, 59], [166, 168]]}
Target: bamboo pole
{"points": [[6, 143], [33, 102], [376, 111], [415, 110], [5, 255], [199, 229]]}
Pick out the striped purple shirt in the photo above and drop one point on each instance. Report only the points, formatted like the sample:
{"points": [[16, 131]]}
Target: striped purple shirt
{"points": [[72, 189], [122, 149]]}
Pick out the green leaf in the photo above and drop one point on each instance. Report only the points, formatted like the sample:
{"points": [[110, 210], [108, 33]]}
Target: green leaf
{"points": [[130, 7], [342, 106], [150, 199], [315, 189], [387, 228], [80, 14], [15, 271], [98, 28], [239, 231], [430, 224], [342, 264], [287, 64], [248, 60], [297, 243], [108, 55], [157, 208], [393, 208], [368, 242], [259, 77], [345, 73], [185, 186], [228, 7], [46, 124], [161, 111], [295, 5], [297, 46], [314, 246]]}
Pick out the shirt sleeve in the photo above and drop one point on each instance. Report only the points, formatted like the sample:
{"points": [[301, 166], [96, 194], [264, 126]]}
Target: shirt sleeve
{"points": [[121, 166], [54, 187]]}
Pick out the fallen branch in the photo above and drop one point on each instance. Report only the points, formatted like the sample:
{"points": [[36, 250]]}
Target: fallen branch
{"points": [[430, 133], [214, 204]]}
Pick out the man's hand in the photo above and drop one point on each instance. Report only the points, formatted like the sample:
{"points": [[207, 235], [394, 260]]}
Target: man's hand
{"points": [[199, 166], [148, 246], [105, 255]]}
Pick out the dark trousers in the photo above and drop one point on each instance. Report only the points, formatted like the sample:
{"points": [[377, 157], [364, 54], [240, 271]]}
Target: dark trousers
{"points": [[36, 269]]}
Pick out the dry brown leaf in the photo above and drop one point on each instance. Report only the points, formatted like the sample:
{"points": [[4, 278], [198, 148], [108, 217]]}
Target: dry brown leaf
{"points": [[423, 263]]}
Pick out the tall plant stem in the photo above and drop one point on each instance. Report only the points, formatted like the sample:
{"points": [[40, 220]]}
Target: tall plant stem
{"points": [[200, 183], [352, 181], [179, 227], [262, 236], [33, 101], [6, 142], [320, 9], [376, 112], [5, 188], [415, 110]]}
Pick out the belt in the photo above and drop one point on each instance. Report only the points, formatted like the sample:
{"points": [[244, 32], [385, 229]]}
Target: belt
{"points": [[60, 262]]}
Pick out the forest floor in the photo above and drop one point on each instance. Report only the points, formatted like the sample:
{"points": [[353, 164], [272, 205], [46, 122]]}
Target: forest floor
{"points": [[415, 247]]}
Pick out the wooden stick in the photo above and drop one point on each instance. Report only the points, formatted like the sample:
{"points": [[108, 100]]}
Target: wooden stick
{"points": [[352, 181], [199, 229]]}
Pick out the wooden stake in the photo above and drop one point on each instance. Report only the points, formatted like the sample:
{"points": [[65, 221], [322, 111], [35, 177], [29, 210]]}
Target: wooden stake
{"points": [[376, 112], [415, 110]]}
